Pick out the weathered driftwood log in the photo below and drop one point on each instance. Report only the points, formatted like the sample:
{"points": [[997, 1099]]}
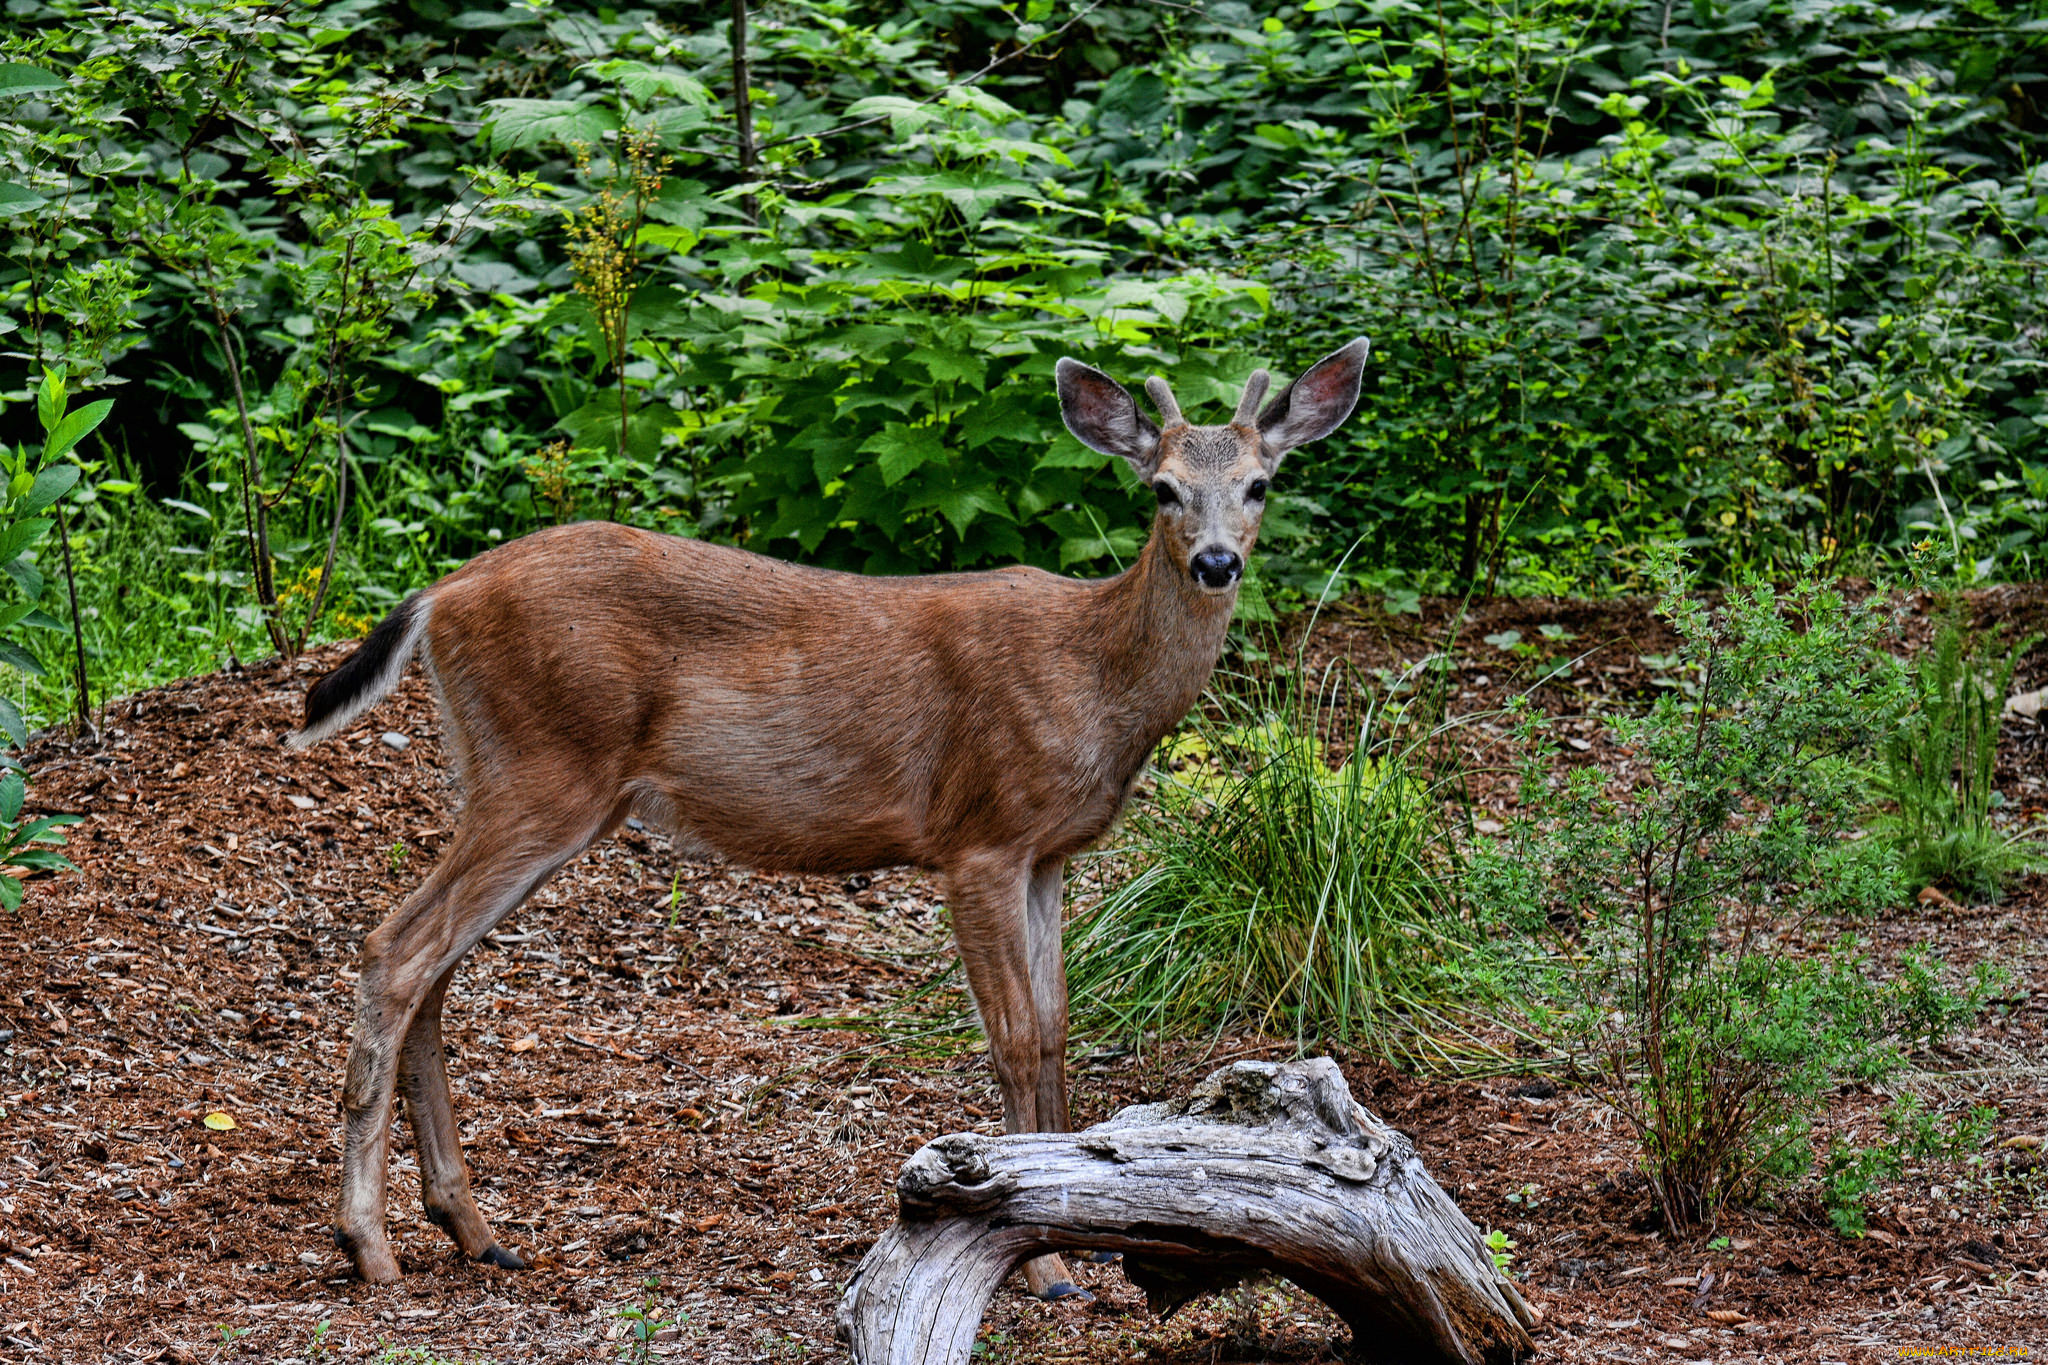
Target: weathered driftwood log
{"points": [[1262, 1168]]}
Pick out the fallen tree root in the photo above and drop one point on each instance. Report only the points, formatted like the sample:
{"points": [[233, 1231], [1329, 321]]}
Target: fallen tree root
{"points": [[1262, 1168]]}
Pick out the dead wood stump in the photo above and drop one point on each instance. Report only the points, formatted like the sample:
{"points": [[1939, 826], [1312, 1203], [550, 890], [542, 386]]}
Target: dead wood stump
{"points": [[1262, 1168]]}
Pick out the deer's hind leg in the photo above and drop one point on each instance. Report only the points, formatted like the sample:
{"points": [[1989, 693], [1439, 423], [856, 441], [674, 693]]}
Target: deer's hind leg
{"points": [[444, 1178], [504, 849]]}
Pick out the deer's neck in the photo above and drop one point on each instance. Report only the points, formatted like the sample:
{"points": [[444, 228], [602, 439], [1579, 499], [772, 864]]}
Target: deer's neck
{"points": [[1163, 636]]}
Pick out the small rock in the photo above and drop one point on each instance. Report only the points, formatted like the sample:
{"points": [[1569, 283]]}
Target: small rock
{"points": [[309, 1258], [302, 802], [393, 740]]}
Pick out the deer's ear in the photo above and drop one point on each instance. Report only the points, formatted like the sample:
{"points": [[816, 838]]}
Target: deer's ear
{"points": [[1103, 417], [1316, 404]]}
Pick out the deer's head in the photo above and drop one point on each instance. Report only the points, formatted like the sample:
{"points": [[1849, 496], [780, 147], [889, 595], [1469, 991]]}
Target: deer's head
{"points": [[1211, 482]]}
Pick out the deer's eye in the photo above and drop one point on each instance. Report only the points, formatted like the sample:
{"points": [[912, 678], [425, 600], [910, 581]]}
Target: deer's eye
{"points": [[1167, 496], [1255, 491]]}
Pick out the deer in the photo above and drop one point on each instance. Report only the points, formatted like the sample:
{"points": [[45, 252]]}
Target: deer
{"points": [[983, 726]]}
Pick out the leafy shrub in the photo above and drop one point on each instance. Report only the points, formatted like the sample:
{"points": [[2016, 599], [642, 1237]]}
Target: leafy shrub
{"points": [[1279, 888], [33, 486], [24, 843], [1937, 767], [1852, 1176], [1685, 895]]}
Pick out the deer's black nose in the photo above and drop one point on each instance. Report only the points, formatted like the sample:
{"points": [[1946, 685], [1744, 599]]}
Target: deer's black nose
{"points": [[1216, 568]]}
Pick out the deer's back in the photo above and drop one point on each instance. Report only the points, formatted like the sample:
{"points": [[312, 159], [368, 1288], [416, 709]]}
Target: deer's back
{"points": [[785, 716]]}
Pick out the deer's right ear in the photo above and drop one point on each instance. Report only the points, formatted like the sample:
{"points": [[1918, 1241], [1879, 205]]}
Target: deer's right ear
{"points": [[1103, 416]]}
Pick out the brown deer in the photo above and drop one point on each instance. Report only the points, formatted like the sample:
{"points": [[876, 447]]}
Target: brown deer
{"points": [[985, 726]]}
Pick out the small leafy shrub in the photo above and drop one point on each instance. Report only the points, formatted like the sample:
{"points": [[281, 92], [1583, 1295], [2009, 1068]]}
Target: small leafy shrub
{"points": [[1852, 1176], [24, 843], [1278, 884], [33, 486], [1684, 897], [644, 1321], [1937, 767]]}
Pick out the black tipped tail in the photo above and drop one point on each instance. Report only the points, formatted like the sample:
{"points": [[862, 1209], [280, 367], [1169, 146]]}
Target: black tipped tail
{"points": [[365, 676]]}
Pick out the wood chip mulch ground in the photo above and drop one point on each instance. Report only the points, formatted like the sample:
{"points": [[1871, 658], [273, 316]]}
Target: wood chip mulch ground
{"points": [[687, 1088]]}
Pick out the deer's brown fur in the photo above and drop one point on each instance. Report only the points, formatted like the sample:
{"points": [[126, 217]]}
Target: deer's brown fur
{"points": [[986, 726]]}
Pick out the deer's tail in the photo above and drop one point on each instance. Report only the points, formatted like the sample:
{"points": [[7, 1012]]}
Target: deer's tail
{"points": [[365, 677]]}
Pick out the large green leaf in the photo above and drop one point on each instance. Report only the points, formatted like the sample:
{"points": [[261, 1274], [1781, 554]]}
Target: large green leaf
{"points": [[495, 18], [14, 655], [16, 199], [972, 192], [649, 84], [19, 536], [905, 116], [19, 78], [50, 485], [26, 577], [50, 399], [518, 123], [900, 448], [960, 506]]}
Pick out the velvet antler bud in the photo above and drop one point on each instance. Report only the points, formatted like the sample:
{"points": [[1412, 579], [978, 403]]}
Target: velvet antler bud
{"points": [[1162, 398], [1254, 394]]}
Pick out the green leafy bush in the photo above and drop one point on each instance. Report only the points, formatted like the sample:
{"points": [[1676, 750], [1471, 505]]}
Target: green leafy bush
{"points": [[1852, 1176], [401, 283], [34, 483], [1685, 895]]}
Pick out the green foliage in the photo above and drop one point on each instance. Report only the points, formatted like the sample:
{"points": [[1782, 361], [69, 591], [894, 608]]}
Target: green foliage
{"points": [[643, 1321], [24, 844], [33, 486], [1278, 888], [1852, 1176], [1685, 896], [1937, 767], [1764, 278]]}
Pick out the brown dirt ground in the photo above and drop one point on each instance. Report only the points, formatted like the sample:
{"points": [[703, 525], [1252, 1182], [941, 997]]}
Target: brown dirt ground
{"points": [[686, 1073]]}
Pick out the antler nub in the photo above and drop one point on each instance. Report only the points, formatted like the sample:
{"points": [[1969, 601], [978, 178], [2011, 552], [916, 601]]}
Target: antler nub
{"points": [[1254, 394], [1162, 398]]}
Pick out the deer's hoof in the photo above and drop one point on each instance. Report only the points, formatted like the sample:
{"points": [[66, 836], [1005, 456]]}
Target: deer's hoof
{"points": [[501, 1258], [1066, 1291], [372, 1264]]}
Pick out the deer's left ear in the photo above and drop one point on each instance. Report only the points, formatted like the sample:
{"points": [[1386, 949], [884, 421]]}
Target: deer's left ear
{"points": [[1102, 416], [1314, 405]]}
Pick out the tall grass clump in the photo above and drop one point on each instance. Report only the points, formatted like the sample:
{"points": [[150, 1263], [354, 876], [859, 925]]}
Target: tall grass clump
{"points": [[1292, 873], [1937, 768]]}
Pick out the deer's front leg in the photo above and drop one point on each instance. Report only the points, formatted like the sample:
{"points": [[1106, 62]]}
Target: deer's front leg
{"points": [[987, 895], [991, 897], [1048, 991]]}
